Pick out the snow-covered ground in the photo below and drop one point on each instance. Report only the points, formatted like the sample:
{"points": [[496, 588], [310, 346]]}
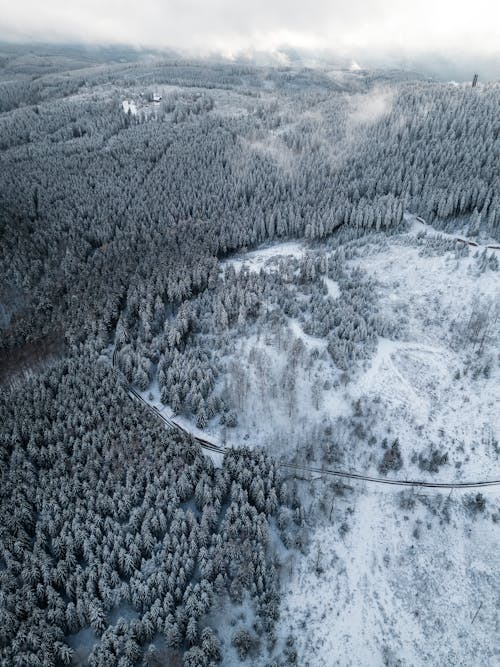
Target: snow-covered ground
{"points": [[412, 581], [427, 386], [419, 226], [431, 386], [129, 105], [263, 257], [390, 578]]}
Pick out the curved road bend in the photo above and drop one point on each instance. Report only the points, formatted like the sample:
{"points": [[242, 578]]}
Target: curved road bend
{"points": [[206, 444], [213, 447]]}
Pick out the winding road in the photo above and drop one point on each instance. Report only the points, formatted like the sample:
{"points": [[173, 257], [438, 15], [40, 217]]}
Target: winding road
{"points": [[213, 447]]}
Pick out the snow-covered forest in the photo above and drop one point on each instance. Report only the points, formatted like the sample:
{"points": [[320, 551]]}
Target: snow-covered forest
{"points": [[301, 265]]}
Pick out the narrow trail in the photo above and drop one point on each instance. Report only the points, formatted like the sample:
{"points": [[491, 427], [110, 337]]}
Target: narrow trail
{"points": [[205, 444], [392, 482]]}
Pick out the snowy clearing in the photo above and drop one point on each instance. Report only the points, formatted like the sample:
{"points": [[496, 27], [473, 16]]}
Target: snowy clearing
{"points": [[431, 387], [129, 106], [258, 259], [400, 585]]}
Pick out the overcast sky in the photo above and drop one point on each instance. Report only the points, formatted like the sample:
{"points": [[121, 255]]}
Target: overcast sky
{"points": [[353, 28]]}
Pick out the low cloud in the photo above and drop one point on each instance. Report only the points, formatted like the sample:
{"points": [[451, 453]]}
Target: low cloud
{"points": [[367, 30], [371, 107]]}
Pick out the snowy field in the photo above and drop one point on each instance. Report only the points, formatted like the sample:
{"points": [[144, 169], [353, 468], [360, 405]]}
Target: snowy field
{"points": [[266, 258], [410, 580], [389, 577], [434, 385]]}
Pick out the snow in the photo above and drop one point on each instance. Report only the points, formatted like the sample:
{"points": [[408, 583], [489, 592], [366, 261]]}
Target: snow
{"points": [[311, 342], [333, 288], [258, 259], [416, 380], [231, 104], [129, 105], [416, 226], [399, 585], [420, 387], [229, 618], [264, 416], [402, 575], [409, 578]]}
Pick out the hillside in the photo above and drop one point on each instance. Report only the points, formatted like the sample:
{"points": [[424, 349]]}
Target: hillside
{"points": [[297, 264]]}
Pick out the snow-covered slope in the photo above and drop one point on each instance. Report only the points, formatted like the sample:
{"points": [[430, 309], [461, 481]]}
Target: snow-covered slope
{"points": [[439, 385], [410, 580], [389, 577], [431, 382]]}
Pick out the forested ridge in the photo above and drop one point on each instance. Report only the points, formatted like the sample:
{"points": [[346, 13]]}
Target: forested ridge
{"points": [[120, 542]]}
